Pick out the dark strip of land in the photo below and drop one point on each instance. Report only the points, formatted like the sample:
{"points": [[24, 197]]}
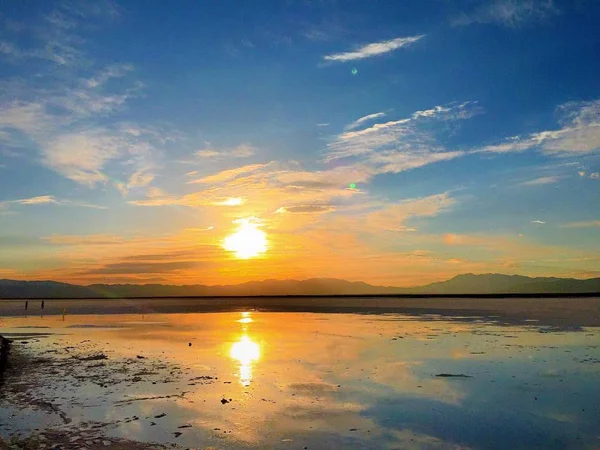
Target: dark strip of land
{"points": [[568, 311]]}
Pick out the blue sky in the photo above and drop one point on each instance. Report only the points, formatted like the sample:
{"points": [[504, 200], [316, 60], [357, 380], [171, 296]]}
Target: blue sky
{"points": [[135, 137]]}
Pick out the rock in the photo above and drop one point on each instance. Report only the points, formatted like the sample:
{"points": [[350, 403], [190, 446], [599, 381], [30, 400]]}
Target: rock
{"points": [[224, 401], [190, 344], [140, 357], [184, 426], [160, 415], [177, 434]]}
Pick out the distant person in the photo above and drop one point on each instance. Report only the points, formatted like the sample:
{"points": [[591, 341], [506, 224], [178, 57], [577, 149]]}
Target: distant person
{"points": [[26, 304], [42, 304]]}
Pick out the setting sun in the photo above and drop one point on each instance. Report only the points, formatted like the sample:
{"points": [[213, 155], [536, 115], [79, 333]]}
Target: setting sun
{"points": [[248, 241]]}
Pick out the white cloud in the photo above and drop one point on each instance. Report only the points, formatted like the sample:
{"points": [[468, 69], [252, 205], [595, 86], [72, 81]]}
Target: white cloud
{"points": [[374, 49], [364, 119], [539, 222], [112, 71], [58, 116], [581, 173], [47, 200], [207, 154], [81, 156], [399, 145], [507, 12], [580, 134], [42, 199], [542, 180], [241, 151], [595, 176], [229, 174]]}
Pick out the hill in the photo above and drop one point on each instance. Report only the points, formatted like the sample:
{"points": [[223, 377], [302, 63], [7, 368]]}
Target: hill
{"points": [[460, 284]]}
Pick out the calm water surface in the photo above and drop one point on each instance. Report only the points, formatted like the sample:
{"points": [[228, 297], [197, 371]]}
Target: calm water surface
{"points": [[320, 381]]}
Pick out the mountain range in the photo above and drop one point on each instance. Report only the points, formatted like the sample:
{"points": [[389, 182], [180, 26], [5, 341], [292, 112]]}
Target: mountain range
{"points": [[460, 284]]}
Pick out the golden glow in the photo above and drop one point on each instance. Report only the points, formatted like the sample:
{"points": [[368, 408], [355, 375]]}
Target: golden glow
{"points": [[248, 241], [246, 352], [231, 201], [245, 318]]}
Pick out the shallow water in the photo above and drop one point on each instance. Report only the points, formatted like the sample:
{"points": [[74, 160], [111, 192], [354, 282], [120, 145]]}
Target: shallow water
{"points": [[299, 380]]}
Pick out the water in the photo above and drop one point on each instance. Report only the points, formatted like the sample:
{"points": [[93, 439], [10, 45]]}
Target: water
{"points": [[313, 380]]}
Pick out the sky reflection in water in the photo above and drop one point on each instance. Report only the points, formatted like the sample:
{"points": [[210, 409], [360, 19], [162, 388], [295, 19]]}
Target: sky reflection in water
{"points": [[331, 380]]}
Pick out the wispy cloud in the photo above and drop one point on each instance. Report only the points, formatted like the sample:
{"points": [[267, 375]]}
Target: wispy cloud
{"points": [[63, 118], [595, 176], [374, 49], [401, 144], [229, 174], [510, 13], [48, 200], [541, 180], [579, 134], [364, 119], [583, 224], [538, 222], [241, 151], [393, 217], [306, 209]]}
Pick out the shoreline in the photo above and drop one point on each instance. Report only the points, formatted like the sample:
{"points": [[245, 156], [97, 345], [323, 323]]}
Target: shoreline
{"points": [[558, 312], [292, 296]]}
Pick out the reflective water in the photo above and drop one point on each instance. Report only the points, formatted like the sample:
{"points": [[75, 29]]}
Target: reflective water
{"points": [[295, 380]]}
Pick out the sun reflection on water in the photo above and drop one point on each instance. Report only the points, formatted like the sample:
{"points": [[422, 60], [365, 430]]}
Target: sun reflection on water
{"points": [[245, 351]]}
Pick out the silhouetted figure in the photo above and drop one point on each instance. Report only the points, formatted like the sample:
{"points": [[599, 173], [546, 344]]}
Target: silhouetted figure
{"points": [[26, 304], [42, 304]]}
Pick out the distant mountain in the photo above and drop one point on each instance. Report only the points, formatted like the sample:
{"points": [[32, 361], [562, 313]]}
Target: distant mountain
{"points": [[461, 284], [493, 283]]}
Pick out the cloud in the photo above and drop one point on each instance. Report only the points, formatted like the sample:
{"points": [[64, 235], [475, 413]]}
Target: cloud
{"points": [[42, 199], [363, 119], [539, 222], [306, 209], [48, 200], [510, 13], [541, 180], [142, 267], [392, 217], [59, 116], [403, 144], [579, 134], [581, 173], [241, 151], [229, 174], [595, 176], [111, 71], [584, 224], [207, 154], [374, 49]]}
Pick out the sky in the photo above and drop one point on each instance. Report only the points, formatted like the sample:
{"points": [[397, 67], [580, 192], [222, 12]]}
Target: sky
{"points": [[217, 142]]}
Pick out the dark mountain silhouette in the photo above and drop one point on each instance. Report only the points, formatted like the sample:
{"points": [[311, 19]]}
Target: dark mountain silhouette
{"points": [[461, 284]]}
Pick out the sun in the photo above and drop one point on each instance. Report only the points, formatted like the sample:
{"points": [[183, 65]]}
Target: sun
{"points": [[248, 241]]}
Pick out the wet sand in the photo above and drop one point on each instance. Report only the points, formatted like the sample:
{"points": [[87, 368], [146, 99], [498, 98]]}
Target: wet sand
{"points": [[563, 312]]}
